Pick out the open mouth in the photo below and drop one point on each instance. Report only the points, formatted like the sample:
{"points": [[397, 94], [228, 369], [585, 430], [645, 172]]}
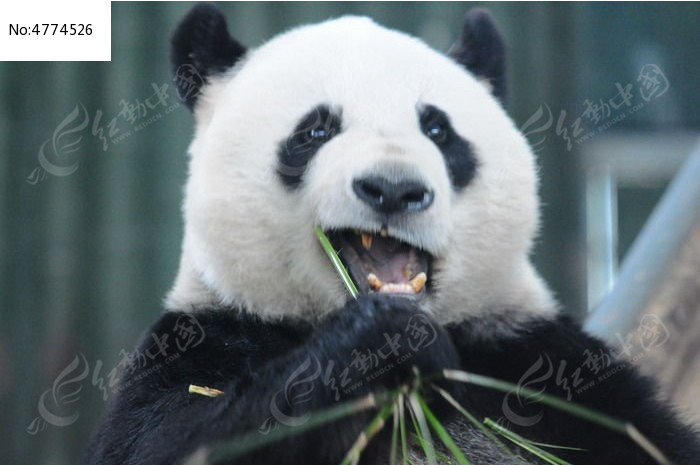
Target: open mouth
{"points": [[380, 263]]}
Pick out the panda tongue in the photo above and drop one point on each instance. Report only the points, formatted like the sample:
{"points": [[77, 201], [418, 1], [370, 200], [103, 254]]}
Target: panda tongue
{"points": [[390, 262]]}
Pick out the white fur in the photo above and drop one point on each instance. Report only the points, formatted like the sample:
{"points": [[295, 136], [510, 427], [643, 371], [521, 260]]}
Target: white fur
{"points": [[249, 241]]}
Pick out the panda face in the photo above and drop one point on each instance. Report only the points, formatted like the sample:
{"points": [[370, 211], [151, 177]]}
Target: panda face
{"points": [[402, 156]]}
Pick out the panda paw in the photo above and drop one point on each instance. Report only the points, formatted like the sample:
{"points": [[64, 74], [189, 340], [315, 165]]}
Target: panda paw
{"points": [[387, 340]]}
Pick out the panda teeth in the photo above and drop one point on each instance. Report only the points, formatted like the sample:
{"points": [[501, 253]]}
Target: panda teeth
{"points": [[396, 288], [383, 232], [367, 241], [415, 285], [374, 282], [418, 282]]}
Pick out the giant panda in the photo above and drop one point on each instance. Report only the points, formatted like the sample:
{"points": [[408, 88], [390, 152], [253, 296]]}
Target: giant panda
{"points": [[407, 160]]}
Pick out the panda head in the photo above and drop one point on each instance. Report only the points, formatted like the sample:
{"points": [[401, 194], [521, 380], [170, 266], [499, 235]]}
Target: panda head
{"points": [[403, 155]]}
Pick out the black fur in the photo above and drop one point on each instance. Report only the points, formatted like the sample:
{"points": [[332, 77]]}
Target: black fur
{"points": [[250, 361], [459, 157], [314, 129], [201, 47], [482, 51], [154, 420], [619, 391]]}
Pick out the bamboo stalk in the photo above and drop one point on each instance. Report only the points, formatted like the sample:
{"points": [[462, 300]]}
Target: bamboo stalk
{"points": [[204, 391], [374, 427]]}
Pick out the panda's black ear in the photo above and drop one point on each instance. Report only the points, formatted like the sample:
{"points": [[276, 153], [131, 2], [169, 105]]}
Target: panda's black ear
{"points": [[201, 47], [481, 50]]}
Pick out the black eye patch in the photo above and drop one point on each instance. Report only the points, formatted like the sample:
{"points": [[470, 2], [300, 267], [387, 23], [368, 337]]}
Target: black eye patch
{"points": [[314, 129], [457, 152]]}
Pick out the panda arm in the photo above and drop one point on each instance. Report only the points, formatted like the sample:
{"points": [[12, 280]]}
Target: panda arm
{"points": [[555, 355], [154, 419]]}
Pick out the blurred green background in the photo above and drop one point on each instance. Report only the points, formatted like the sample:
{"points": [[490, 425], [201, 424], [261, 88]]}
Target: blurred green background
{"points": [[86, 257]]}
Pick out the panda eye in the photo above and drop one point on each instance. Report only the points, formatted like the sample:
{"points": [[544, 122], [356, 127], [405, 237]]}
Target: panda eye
{"points": [[458, 155], [319, 134], [436, 131], [313, 130], [435, 125]]}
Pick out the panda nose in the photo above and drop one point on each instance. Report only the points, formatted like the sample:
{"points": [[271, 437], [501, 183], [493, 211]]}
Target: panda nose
{"points": [[389, 197]]}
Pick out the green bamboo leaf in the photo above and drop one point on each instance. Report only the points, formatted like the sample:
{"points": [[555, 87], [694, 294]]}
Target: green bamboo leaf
{"points": [[226, 450], [646, 444], [402, 427], [394, 433], [548, 399], [473, 420], [337, 263], [555, 446], [421, 426], [525, 444], [441, 432], [594, 416]]}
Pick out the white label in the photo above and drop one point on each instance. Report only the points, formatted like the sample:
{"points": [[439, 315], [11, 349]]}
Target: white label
{"points": [[68, 30]]}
